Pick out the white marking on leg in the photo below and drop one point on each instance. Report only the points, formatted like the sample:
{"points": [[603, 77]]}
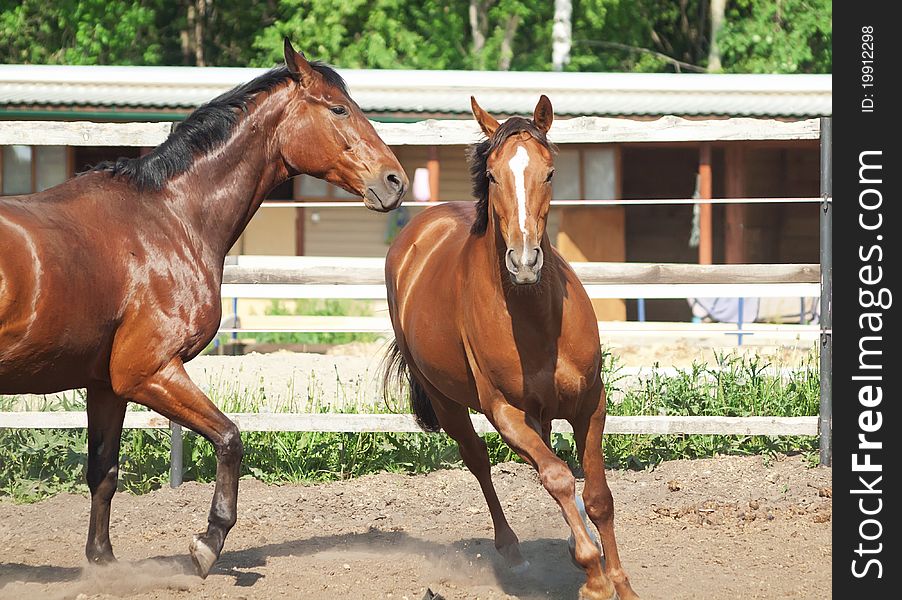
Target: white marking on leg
{"points": [[518, 167]]}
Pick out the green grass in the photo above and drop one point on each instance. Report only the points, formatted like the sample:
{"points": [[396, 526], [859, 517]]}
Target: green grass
{"points": [[35, 464], [314, 307]]}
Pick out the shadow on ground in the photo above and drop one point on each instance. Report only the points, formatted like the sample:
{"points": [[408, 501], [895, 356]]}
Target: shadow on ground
{"points": [[551, 574]]}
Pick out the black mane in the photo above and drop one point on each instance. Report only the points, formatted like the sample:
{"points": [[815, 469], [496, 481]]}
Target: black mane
{"points": [[206, 129], [478, 156]]}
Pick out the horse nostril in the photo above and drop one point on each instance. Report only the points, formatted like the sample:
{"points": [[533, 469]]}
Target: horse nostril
{"points": [[532, 257], [510, 262], [393, 180]]}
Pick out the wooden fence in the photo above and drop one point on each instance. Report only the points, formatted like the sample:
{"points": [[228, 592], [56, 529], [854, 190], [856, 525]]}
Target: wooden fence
{"points": [[297, 276]]}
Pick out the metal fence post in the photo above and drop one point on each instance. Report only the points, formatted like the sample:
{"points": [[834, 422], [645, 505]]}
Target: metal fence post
{"points": [[825, 427], [175, 454]]}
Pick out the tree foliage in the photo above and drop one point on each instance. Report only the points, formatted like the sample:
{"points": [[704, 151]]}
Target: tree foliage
{"points": [[758, 36]]}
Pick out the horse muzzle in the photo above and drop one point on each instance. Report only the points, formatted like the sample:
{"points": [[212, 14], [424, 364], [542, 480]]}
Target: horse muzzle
{"points": [[385, 193], [525, 268]]}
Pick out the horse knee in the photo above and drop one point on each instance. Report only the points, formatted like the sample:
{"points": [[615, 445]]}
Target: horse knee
{"points": [[558, 480], [600, 506], [230, 447]]}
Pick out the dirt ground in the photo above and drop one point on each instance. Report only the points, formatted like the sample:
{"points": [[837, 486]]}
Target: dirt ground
{"points": [[731, 527]]}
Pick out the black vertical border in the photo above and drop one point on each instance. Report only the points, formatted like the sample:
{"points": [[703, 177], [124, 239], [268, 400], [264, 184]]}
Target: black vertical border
{"points": [[856, 131]]}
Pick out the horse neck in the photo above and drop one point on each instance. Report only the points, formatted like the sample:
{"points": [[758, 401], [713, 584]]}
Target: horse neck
{"points": [[222, 191]]}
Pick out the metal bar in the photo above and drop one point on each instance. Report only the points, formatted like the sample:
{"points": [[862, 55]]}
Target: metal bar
{"points": [[825, 426], [235, 312], [640, 305], [176, 451]]}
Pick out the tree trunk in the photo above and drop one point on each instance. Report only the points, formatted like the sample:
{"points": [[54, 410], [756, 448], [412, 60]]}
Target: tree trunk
{"points": [[507, 50], [186, 33], [479, 26], [199, 22], [718, 11], [561, 34]]}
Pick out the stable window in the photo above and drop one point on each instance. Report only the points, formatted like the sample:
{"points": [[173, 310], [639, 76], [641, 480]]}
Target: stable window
{"points": [[28, 169], [588, 173], [311, 188]]}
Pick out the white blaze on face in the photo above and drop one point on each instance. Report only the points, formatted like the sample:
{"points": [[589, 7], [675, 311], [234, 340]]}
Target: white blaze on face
{"points": [[518, 167]]}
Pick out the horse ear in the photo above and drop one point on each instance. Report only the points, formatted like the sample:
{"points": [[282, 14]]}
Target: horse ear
{"points": [[487, 122], [544, 114], [297, 63]]}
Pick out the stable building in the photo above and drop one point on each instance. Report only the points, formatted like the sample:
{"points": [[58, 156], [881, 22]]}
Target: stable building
{"points": [[738, 233]]}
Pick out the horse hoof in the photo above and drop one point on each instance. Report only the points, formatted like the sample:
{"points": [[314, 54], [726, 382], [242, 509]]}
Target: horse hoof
{"points": [[102, 558], [520, 569], [202, 555]]}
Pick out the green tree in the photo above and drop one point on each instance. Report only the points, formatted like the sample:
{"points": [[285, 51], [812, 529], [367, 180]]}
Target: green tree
{"points": [[80, 32], [758, 36], [789, 36], [367, 34]]}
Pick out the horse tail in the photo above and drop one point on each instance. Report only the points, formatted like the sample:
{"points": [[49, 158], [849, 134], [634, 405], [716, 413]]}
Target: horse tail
{"points": [[395, 374]]}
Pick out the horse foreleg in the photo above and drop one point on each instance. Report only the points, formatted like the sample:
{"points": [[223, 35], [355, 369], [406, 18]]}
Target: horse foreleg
{"points": [[597, 495], [515, 427], [106, 411], [171, 393], [455, 420]]}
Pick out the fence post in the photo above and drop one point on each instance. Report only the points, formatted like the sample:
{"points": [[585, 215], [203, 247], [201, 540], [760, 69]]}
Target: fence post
{"points": [[825, 426], [175, 454]]}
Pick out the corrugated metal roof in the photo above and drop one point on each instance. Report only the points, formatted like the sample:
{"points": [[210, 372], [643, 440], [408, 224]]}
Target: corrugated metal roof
{"points": [[448, 92]]}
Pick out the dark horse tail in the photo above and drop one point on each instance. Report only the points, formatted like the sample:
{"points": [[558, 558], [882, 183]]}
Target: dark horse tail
{"points": [[396, 374]]}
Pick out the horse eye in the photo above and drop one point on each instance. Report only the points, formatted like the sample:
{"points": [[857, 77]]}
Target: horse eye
{"points": [[339, 110], [550, 175], [490, 177]]}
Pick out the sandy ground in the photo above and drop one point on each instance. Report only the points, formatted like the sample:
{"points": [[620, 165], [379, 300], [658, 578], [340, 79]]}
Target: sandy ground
{"points": [[731, 527]]}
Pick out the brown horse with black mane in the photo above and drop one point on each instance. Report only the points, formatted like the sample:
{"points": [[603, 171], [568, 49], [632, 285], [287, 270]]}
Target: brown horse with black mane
{"points": [[111, 280], [488, 316]]}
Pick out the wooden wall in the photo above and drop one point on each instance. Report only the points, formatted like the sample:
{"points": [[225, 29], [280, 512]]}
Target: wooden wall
{"points": [[770, 233]]}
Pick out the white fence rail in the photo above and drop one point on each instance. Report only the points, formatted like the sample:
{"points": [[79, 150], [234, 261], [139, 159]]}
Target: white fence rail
{"points": [[364, 278], [289, 277], [399, 423]]}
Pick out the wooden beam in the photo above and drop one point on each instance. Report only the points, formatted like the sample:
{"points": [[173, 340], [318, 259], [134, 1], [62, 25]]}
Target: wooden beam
{"points": [[580, 130], [34, 168], [706, 233], [370, 271], [617, 291], [735, 214], [300, 219], [434, 167]]}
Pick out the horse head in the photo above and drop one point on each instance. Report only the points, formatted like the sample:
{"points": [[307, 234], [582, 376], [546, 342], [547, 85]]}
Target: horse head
{"points": [[519, 165], [325, 134]]}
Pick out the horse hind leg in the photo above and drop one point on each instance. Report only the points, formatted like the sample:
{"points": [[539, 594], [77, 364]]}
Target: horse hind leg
{"points": [[171, 393], [599, 502], [455, 420], [106, 412]]}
